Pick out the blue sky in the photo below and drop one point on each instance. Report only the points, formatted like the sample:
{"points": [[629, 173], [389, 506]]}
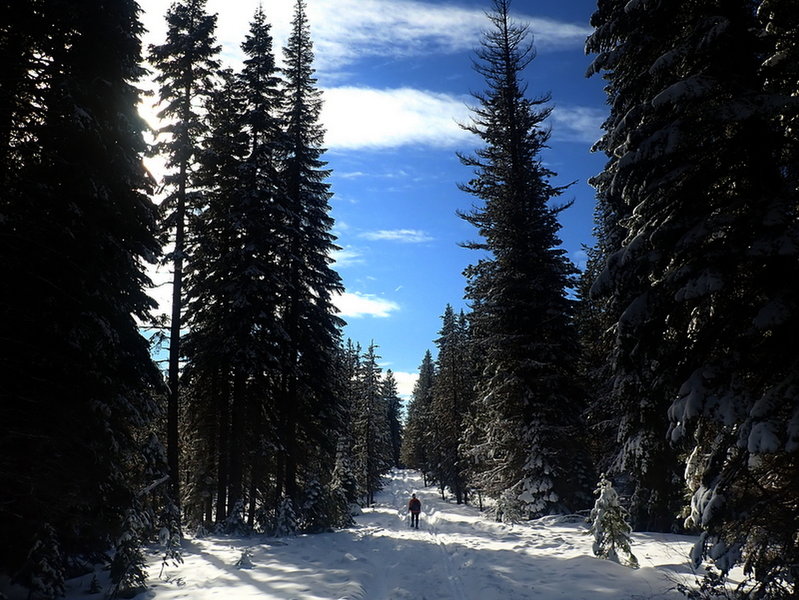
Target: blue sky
{"points": [[397, 77]]}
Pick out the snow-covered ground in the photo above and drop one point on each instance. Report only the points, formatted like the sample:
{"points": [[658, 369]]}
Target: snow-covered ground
{"points": [[456, 554]]}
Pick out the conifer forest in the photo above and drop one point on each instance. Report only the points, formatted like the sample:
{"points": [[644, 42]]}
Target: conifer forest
{"points": [[668, 365]]}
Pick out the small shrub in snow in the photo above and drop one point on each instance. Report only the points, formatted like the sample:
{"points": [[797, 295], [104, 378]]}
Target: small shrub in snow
{"points": [[94, 586], [236, 524], [286, 525], [315, 509], [245, 560], [46, 567], [508, 508], [711, 587], [609, 525], [128, 567]]}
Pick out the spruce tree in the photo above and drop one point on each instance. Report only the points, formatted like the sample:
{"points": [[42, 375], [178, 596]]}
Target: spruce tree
{"points": [[76, 228], [345, 469], [527, 398], [609, 525], [372, 449], [702, 281], [393, 405], [218, 342], [415, 451], [310, 328], [636, 396], [185, 65], [232, 282], [451, 399]]}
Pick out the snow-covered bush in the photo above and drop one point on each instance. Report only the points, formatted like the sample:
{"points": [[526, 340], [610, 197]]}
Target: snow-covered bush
{"points": [[245, 560], [314, 512], [94, 586], [170, 535], [609, 525], [235, 523], [46, 565], [128, 567], [509, 508], [286, 519], [711, 587]]}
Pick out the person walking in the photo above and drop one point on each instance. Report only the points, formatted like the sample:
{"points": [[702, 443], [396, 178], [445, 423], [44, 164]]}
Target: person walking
{"points": [[415, 507]]}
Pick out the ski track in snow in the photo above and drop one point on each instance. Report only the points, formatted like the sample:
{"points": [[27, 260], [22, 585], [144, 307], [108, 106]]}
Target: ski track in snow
{"points": [[456, 554]]}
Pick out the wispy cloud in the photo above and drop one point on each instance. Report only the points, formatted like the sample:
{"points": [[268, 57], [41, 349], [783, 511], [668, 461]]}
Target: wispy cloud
{"points": [[346, 257], [356, 305], [345, 31], [577, 123], [365, 118], [351, 174], [406, 236]]}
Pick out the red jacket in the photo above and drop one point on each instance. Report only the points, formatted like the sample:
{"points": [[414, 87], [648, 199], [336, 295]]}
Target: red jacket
{"points": [[415, 505]]}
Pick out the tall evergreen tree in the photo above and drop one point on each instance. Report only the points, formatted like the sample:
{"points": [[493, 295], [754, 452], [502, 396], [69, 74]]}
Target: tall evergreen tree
{"points": [[522, 320], [232, 279], [76, 227], [415, 450], [372, 449], [637, 395], [185, 68], [310, 327], [219, 338], [706, 313], [393, 405], [451, 398]]}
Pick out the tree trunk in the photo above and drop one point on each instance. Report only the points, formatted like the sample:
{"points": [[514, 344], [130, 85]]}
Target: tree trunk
{"points": [[223, 456], [237, 417]]}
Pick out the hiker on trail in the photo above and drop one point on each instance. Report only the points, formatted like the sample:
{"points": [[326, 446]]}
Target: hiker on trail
{"points": [[415, 507]]}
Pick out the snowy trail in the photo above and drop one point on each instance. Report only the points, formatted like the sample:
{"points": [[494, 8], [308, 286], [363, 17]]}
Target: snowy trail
{"points": [[456, 554]]}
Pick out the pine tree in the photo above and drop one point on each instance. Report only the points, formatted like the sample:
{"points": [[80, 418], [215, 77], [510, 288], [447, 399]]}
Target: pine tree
{"points": [[46, 565], [415, 450], [310, 328], [372, 449], [393, 404], [286, 523], [215, 303], [637, 397], [522, 319], [700, 284], [609, 525], [451, 398], [344, 474], [76, 228], [185, 68]]}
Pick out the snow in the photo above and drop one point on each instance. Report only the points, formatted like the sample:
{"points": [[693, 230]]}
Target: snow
{"points": [[456, 554]]}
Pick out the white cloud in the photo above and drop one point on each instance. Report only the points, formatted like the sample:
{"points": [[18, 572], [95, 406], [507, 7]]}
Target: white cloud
{"points": [[405, 382], [407, 236], [346, 257], [344, 31], [365, 118], [356, 305], [577, 123]]}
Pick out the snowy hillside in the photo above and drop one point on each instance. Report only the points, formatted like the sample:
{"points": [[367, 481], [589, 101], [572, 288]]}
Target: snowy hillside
{"points": [[456, 554]]}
